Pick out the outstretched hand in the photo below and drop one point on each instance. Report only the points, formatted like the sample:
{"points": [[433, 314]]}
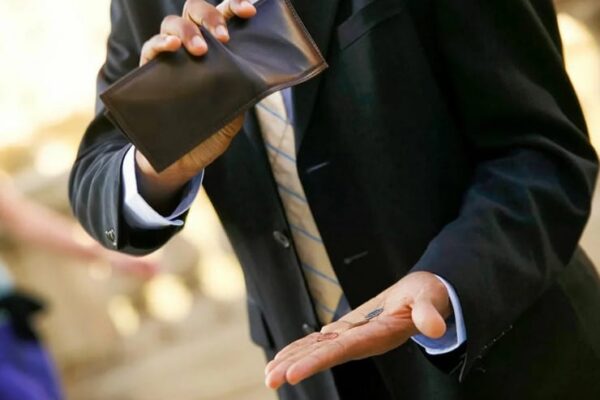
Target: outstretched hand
{"points": [[417, 303]]}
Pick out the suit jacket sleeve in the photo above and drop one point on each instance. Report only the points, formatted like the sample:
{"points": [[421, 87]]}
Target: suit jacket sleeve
{"points": [[95, 187], [534, 168]]}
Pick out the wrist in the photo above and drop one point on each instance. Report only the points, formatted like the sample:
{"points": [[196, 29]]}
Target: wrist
{"points": [[170, 179], [160, 189]]}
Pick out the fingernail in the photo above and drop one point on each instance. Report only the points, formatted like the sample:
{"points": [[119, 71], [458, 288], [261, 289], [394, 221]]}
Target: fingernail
{"points": [[245, 3], [198, 42], [221, 31]]}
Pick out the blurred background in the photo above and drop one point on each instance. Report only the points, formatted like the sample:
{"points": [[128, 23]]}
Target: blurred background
{"points": [[183, 334]]}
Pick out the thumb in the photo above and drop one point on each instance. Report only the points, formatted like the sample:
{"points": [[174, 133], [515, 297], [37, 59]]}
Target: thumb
{"points": [[427, 318]]}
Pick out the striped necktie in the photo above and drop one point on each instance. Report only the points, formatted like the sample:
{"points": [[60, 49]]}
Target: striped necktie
{"points": [[278, 137]]}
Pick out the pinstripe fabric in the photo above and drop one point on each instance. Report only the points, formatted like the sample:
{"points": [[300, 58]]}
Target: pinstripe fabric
{"points": [[278, 136]]}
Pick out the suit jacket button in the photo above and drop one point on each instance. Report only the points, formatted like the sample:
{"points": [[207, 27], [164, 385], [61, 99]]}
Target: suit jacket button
{"points": [[282, 239], [111, 236], [308, 328]]}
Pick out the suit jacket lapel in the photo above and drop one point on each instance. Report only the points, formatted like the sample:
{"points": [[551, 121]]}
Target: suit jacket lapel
{"points": [[319, 18]]}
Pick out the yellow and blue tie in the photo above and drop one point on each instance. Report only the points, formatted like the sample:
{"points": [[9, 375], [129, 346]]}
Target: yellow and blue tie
{"points": [[278, 137]]}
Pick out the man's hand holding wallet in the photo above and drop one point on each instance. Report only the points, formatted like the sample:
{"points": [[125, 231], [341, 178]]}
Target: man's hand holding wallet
{"points": [[183, 106], [160, 188]]}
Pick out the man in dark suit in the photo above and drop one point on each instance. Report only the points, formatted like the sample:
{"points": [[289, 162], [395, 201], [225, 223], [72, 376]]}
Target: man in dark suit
{"points": [[437, 177]]}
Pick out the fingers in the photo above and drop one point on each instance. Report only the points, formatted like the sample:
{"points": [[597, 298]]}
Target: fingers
{"points": [[427, 318], [277, 375], [309, 356], [328, 356], [213, 18], [205, 14], [240, 8], [303, 361], [293, 347], [159, 44], [187, 31]]}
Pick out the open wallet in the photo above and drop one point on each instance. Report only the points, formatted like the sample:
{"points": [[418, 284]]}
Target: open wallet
{"points": [[173, 103]]}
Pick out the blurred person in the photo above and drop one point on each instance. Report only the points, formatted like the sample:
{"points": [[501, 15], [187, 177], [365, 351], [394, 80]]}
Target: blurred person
{"points": [[26, 371], [28, 222], [408, 221]]}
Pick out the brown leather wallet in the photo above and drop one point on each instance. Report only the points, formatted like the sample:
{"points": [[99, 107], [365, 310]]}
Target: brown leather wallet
{"points": [[173, 103]]}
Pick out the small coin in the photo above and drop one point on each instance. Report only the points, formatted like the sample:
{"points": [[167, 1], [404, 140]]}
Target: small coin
{"points": [[374, 313], [366, 319], [327, 336]]}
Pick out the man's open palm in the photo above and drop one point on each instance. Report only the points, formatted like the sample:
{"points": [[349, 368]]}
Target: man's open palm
{"points": [[417, 303]]}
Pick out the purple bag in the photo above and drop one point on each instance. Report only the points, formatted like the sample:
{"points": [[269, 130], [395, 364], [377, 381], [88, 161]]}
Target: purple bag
{"points": [[26, 370]]}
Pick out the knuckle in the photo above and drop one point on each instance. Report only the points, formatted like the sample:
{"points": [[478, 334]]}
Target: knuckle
{"points": [[213, 13], [225, 9], [155, 40], [195, 7], [147, 49], [202, 10], [168, 22], [152, 45], [213, 20]]}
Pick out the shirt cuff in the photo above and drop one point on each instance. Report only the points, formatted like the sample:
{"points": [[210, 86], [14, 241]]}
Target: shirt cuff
{"points": [[456, 333], [138, 213]]}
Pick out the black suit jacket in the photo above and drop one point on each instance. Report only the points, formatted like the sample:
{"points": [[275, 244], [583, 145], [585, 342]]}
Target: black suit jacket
{"points": [[444, 137]]}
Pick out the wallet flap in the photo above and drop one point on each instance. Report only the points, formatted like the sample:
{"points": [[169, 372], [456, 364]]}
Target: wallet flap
{"points": [[173, 103]]}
